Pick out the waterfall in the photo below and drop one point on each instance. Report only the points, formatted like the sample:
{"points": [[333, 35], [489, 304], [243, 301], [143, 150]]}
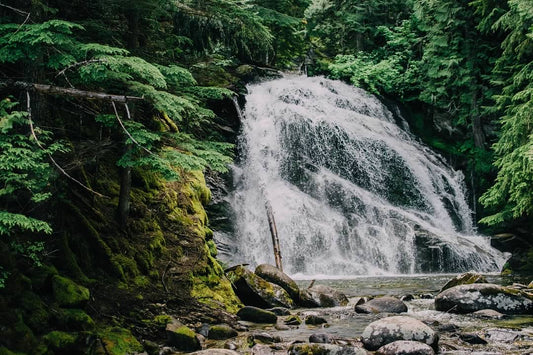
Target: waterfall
{"points": [[352, 190]]}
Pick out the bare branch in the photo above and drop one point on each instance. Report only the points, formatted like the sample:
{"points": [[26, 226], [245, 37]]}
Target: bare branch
{"points": [[124, 128], [49, 156], [57, 90], [78, 64], [20, 12]]}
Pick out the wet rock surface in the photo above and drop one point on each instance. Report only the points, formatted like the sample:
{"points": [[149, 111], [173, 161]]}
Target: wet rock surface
{"points": [[382, 305], [322, 296], [405, 347], [390, 329], [476, 297], [278, 277]]}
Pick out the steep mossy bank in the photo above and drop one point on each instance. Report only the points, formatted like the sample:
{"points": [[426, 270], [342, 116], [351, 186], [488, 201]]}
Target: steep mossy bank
{"points": [[104, 289]]}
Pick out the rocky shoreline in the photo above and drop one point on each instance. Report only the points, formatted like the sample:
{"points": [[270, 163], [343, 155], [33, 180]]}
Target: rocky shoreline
{"points": [[467, 315]]}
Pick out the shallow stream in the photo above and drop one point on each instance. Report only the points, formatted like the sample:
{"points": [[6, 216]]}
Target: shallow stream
{"points": [[511, 335]]}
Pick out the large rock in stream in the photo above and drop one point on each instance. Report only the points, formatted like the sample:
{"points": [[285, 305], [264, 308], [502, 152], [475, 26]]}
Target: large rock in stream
{"points": [[382, 305], [255, 291], [322, 296], [475, 297], [465, 279], [390, 329], [278, 277]]}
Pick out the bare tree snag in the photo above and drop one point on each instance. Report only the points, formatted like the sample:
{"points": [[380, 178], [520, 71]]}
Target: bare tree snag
{"points": [[274, 234]]}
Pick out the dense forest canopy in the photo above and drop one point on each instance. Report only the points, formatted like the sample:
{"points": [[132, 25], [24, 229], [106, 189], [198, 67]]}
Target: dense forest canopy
{"points": [[469, 63]]}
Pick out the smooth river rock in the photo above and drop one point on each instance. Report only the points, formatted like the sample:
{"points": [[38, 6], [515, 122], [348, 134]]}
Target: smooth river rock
{"points": [[405, 347], [382, 305], [255, 291], [278, 277], [475, 297], [257, 315], [322, 296], [390, 329]]}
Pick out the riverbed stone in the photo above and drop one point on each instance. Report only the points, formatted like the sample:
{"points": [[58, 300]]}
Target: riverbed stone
{"points": [[321, 338], [278, 277], [280, 311], [464, 279], [322, 296], [488, 314], [221, 332], [382, 305], [182, 337], [390, 329], [475, 297], [255, 291], [257, 315], [314, 320], [472, 338], [324, 349], [405, 347]]}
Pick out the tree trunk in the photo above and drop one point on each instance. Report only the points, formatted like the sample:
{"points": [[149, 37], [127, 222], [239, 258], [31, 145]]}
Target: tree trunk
{"points": [[477, 128], [274, 234]]}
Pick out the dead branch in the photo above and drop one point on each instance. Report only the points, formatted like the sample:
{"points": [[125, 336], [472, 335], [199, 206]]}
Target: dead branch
{"points": [[50, 156], [57, 90], [124, 128]]}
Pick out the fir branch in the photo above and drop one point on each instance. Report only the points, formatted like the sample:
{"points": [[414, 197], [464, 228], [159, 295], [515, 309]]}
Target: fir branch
{"points": [[124, 128]]}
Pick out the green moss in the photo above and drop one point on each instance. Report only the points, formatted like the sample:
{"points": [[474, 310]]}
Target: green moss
{"points": [[126, 266], [162, 319], [68, 293], [119, 341], [58, 340], [74, 319], [182, 337]]}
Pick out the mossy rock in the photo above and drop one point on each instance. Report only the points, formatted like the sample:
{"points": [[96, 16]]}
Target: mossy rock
{"points": [[35, 314], [74, 319], [221, 332], [61, 342], [6, 351], [256, 291], [293, 320], [118, 341], [182, 337], [67, 293], [257, 315], [464, 279]]}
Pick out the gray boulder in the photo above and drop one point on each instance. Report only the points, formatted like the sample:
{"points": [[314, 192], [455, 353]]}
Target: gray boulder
{"points": [[405, 347], [382, 305], [255, 291], [390, 329], [475, 297], [464, 279], [278, 277], [221, 332], [257, 315], [322, 296]]}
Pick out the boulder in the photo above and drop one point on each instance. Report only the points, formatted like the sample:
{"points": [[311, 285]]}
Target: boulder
{"points": [[322, 296], [314, 320], [263, 338], [321, 338], [221, 332], [67, 293], [256, 315], [293, 320], [475, 297], [405, 347], [255, 291], [472, 338], [182, 337], [278, 277], [464, 279], [382, 305], [390, 329], [324, 349]]}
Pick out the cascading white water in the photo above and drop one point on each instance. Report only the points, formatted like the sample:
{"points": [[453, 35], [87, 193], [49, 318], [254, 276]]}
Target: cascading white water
{"points": [[352, 192]]}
